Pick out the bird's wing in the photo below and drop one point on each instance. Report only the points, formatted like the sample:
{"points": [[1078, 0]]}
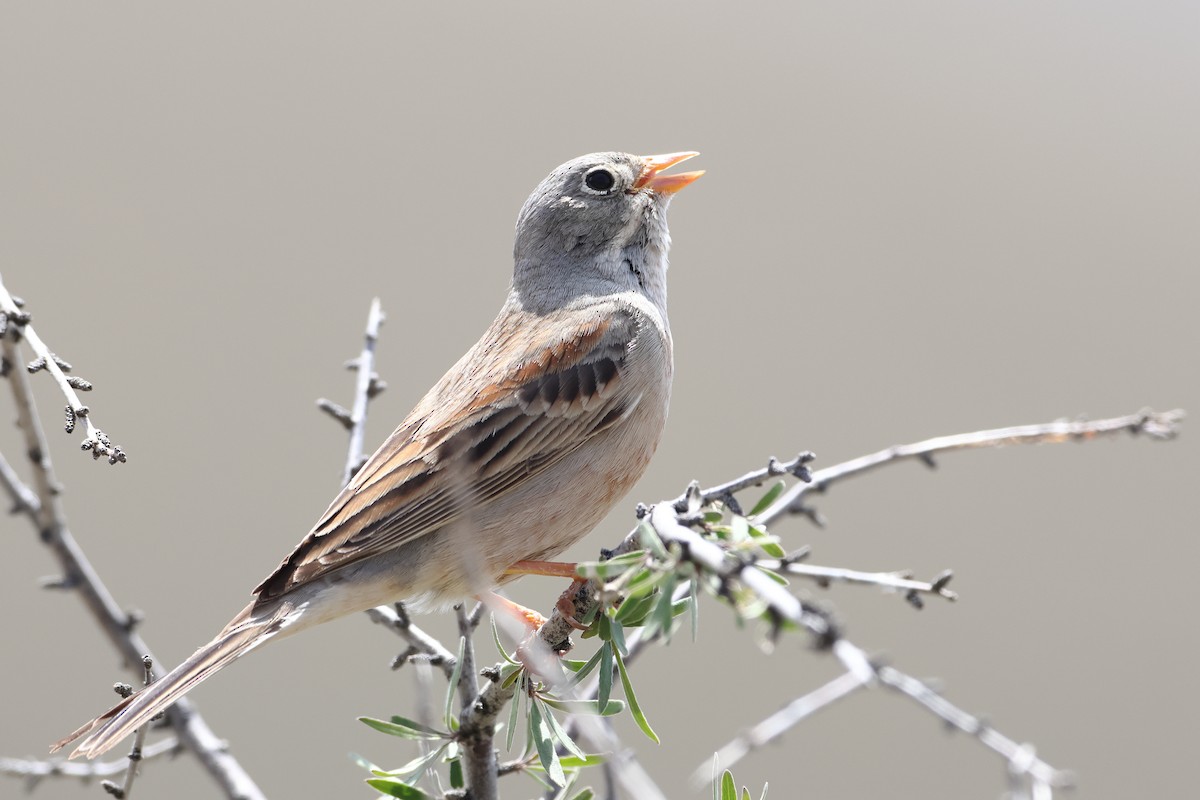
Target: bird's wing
{"points": [[517, 402]]}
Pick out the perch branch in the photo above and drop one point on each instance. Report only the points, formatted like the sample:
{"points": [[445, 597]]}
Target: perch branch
{"points": [[95, 439], [50, 518], [1154, 424]]}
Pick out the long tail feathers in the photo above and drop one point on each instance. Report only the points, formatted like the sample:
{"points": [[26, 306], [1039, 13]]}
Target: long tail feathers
{"points": [[241, 636]]}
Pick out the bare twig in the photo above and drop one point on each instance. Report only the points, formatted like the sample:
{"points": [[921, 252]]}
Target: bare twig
{"points": [[50, 518], [397, 619], [1021, 759], [1154, 424], [95, 439], [367, 386], [135, 756], [896, 581], [35, 770]]}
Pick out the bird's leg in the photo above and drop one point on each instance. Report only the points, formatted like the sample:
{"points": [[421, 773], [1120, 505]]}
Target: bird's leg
{"points": [[554, 569]]}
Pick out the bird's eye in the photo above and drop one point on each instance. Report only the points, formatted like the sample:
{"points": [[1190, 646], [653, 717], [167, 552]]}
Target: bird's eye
{"points": [[599, 180]]}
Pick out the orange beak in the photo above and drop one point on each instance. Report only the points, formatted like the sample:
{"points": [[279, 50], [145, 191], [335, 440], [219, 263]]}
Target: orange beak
{"points": [[665, 184]]}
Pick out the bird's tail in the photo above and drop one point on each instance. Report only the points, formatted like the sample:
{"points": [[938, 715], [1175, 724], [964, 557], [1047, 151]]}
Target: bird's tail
{"points": [[245, 632]]}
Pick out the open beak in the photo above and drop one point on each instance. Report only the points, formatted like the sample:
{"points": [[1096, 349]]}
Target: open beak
{"points": [[651, 177]]}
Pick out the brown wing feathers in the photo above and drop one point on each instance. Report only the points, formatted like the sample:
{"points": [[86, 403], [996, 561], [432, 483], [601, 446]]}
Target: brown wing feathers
{"points": [[528, 420]]}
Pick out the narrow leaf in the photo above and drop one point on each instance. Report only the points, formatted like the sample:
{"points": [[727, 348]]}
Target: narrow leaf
{"points": [[649, 539], [586, 794], [638, 716], [586, 669], [415, 769], [456, 774], [771, 495], [558, 733], [589, 707], [728, 788], [545, 745], [395, 788], [455, 676], [617, 635], [606, 675], [515, 704], [766, 541], [694, 596], [404, 728], [634, 610], [571, 762], [499, 646]]}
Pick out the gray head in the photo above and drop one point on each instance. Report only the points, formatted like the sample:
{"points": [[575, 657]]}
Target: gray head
{"points": [[602, 218]]}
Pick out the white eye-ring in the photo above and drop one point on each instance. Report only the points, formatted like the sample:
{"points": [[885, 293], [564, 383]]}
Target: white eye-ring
{"points": [[599, 180]]}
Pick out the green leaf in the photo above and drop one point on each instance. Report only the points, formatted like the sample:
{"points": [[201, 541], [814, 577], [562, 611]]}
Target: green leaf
{"points": [[604, 628], [771, 496], [589, 707], [558, 733], [649, 539], [635, 610], [728, 788], [586, 794], [415, 769], [395, 788], [499, 646], [617, 635], [455, 676], [606, 674], [571, 762], [694, 596], [661, 618], [612, 567], [515, 704], [456, 774], [509, 674], [404, 728], [766, 541], [746, 794], [775, 576], [544, 744], [643, 583], [586, 669], [638, 716]]}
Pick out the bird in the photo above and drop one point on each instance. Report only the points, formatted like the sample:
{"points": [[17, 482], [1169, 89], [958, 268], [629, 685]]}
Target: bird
{"points": [[515, 454]]}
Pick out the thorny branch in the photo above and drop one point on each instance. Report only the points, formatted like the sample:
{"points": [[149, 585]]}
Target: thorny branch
{"points": [[15, 321], [49, 517]]}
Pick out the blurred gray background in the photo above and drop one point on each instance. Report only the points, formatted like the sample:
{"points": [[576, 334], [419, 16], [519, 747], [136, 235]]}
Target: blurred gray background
{"points": [[918, 219]]}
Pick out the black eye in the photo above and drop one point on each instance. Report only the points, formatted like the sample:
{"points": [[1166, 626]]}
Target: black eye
{"points": [[599, 180]]}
